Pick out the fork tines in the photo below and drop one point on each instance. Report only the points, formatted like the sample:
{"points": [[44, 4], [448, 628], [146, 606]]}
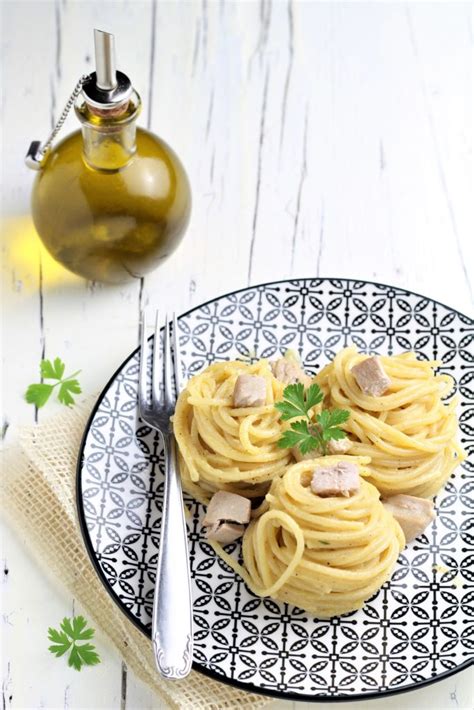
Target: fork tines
{"points": [[163, 396]]}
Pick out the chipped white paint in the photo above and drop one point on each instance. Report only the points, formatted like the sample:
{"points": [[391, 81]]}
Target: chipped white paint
{"points": [[320, 138]]}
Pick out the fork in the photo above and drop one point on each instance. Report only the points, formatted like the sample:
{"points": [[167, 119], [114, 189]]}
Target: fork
{"points": [[172, 634]]}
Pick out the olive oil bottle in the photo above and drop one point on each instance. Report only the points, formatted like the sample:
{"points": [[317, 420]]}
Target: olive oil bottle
{"points": [[111, 201]]}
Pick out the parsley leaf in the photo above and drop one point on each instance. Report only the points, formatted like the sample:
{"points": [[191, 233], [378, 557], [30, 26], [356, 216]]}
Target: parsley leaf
{"points": [[81, 633], [67, 627], [83, 655], [313, 396], [297, 402], [67, 389], [309, 434], [66, 639], [61, 642], [38, 394], [74, 659], [328, 421], [52, 371], [332, 418], [298, 435], [88, 654]]}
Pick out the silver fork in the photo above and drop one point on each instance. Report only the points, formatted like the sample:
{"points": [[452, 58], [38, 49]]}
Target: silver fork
{"points": [[172, 633]]}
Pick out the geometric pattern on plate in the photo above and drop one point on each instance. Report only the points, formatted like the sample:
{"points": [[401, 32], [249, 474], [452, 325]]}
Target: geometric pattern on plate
{"points": [[417, 628]]}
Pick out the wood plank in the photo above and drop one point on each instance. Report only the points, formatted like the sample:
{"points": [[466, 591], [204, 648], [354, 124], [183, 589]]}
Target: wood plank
{"points": [[320, 139]]}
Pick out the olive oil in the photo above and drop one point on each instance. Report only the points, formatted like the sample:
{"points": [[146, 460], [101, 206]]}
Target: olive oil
{"points": [[112, 201]]}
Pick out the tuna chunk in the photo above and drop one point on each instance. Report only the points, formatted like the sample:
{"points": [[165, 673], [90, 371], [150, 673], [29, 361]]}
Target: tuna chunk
{"points": [[225, 532], [289, 372], [371, 377], [339, 446], [335, 446], [227, 507], [250, 391], [413, 514], [339, 479]]}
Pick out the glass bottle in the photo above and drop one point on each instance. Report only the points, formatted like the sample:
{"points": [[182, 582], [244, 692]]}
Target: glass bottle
{"points": [[110, 201]]}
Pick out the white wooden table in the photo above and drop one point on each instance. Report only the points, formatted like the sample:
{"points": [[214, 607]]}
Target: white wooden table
{"points": [[320, 139]]}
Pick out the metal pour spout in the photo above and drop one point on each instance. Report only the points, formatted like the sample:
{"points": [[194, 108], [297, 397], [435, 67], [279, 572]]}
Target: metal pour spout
{"points": [[106, 92], [106, 88], [106, 74]]}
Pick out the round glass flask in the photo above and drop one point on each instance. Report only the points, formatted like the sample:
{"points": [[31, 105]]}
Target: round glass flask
{"points": [[111, 201]]}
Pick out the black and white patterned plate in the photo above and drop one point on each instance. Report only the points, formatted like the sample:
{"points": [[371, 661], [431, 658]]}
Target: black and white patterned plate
{"points": [[418, 628]]}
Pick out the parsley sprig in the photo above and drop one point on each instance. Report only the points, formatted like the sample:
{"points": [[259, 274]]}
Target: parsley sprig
{"points": [[66, 639], [39, 393], [311, 432]]}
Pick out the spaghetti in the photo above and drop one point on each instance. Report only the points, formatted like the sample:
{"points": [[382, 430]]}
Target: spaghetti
{"points": [[324, 555], [409, 433], [226, 448]]}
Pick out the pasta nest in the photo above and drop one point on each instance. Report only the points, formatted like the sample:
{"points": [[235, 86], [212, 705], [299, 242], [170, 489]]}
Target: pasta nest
{"points": [[226, 448], [324, 555], [409, 433]]}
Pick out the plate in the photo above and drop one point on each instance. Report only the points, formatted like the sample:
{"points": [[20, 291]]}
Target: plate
{"points": [[417, 629]]}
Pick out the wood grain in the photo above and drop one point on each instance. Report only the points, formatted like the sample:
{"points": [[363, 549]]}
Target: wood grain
{"points": [[330, 139]]}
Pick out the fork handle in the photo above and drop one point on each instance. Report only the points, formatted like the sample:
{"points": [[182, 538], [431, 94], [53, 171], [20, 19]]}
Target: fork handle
{"points": [[172, 605]]}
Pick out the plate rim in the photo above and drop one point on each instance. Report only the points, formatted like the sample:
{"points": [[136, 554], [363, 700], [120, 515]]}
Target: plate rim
{"points": [[247, 687]]}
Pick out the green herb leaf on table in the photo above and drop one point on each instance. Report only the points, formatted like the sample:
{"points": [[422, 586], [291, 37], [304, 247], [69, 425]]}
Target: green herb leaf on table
{"points": [[309, 434], [52, 370], [38, 394], [67, 389], [74, 659], [67, 627], [80, 630], [61, 642], [88, 654], [66, 639]]}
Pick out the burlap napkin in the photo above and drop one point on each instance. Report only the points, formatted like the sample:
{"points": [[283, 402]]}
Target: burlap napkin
{"points": [[37, 494]]}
